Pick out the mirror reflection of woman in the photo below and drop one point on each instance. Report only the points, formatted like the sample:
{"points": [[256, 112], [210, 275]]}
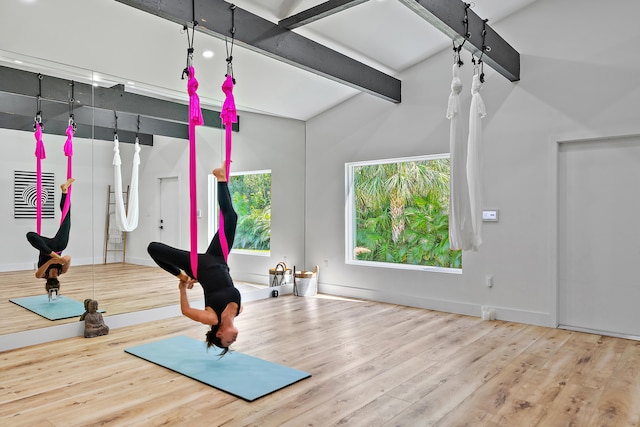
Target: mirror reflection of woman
{"points": [[221, 298], [51, 264]]}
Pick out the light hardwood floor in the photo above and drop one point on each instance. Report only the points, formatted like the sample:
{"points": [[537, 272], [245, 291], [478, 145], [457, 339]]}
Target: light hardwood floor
{"points": [[373, 364], [119, 288]]}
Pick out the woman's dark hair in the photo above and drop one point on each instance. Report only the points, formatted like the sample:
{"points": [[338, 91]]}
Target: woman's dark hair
{"points": [[52, 266], [213, 340], [52, 283]]}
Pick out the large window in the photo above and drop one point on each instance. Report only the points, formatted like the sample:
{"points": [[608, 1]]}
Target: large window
{"points": [[398, 214], [251, 196]]}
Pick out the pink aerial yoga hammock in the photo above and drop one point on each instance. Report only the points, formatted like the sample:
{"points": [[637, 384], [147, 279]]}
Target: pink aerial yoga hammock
{"points": [[40, 154], [195, 119], [68, 151], [229, 116]]}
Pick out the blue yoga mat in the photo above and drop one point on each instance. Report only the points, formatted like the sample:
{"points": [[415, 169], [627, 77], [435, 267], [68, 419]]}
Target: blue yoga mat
{"points": [[61, 308], [241, 375]]}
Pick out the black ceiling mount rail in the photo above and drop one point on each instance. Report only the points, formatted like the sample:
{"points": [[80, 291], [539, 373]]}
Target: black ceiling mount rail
{"points": [[262, 36], [315, 13], [93, 109], [446, 15]]}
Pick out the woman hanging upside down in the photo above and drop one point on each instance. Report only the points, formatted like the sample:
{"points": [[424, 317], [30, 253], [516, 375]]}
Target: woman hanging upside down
{"points": [[50, 263], [221, 299]]}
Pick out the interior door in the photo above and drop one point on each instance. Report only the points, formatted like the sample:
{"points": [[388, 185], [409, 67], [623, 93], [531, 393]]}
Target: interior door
{"points": [[599, 235], [169, 217]]}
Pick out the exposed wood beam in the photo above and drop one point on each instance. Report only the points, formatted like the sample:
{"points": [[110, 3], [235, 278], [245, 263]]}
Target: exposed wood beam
{"points": [[315, 13], [259, 35], [448, 17], [93, 109]]}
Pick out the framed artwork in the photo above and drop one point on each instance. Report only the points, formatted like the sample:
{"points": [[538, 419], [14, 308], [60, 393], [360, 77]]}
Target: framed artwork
{"points": [[25, 194]]}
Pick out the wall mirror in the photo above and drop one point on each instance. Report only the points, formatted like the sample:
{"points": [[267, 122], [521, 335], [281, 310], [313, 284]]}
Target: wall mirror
{"points": [[107, 264]]}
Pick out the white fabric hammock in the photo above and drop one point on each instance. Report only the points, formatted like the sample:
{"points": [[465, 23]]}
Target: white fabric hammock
{"points": [[460, 226], [474, 159], [126, 221]]}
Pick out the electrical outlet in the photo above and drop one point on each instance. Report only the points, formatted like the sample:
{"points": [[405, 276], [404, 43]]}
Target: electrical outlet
{"points": [[488, 280]]}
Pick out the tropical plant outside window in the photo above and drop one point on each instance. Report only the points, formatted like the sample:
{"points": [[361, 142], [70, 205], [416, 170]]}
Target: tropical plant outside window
{"points": [[251, 196], [398, 213]]}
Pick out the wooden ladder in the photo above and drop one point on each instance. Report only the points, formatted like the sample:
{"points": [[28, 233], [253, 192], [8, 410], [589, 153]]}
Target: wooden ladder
{"points": [[107, 232]]}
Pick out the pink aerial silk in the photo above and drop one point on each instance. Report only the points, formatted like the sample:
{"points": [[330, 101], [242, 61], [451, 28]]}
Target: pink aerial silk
{"points": [[195, 119], [68, 151], [40, 154], [229, 116]]}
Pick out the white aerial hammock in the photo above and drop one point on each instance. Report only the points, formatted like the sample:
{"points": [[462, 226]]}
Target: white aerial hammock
{"points": [[126, 219], [474, 156], [461, 235]]}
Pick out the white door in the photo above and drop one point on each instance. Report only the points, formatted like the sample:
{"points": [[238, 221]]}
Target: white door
{"points": [[169, 218], [599, 235]]}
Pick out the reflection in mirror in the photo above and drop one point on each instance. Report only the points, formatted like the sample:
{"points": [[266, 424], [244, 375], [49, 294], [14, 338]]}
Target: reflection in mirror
{"points": [[107, 265], [27, 98]]}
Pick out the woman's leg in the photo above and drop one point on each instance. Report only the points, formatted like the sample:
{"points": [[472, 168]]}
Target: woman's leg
{"points": [[170, 259], [42, 244], [61, 239], [230, 220]]}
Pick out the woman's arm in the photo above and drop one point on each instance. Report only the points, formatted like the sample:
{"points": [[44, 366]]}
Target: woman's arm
{"points": [[66, 263], [41, 272], [202, 316]]}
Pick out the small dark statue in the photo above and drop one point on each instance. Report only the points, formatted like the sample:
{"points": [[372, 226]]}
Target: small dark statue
{"points": [[93, 321]]}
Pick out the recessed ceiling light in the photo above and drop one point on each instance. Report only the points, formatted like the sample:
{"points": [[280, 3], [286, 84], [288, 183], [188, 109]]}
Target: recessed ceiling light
{"points": [[17, 61], [207, 54], [131, 83]]}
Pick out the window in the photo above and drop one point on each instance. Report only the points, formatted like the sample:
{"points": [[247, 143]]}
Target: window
{"points": [[251, 196], [397, 214]]}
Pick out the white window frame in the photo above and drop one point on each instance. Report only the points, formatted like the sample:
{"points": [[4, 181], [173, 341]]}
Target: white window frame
{"points": [[350, 217], [214, 215]]}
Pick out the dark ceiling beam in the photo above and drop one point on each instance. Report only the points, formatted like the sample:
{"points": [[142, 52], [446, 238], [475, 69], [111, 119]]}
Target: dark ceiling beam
{"points": [[448, 17], [315, 13], [93, 109], [214, 18]]}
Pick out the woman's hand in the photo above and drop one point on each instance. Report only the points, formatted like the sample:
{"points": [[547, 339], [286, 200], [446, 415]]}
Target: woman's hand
{"points": [[186, 284]]}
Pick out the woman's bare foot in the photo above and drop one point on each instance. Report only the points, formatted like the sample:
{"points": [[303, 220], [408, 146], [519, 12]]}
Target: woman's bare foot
{"points": [[65, 187], [221, 173]]}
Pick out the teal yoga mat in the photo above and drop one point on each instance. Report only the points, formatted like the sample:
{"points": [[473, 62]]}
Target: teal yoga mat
{"points": [[61, 308], [238, 374]]}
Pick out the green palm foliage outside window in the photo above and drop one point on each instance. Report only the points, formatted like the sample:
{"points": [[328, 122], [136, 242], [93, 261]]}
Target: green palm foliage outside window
{"points": [[402, 213], [251, 195]]}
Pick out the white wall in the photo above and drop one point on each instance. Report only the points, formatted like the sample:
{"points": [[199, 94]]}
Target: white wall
{"points": [[578, 80], [262, 143], [579, 71]]}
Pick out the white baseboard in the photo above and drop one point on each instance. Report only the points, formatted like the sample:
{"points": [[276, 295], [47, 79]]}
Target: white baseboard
{"points": [[447, 306]]}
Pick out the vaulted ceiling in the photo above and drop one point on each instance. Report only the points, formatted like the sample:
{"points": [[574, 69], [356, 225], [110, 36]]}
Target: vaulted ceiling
{"points": [[116, 43]]}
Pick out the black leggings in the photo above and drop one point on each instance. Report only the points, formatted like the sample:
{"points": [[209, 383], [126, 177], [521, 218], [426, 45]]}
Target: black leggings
{"points": [[173, 260], [58, 243]]}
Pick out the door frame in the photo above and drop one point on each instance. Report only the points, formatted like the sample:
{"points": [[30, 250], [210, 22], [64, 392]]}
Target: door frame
{"points": [[554, 144], [159, 206]]}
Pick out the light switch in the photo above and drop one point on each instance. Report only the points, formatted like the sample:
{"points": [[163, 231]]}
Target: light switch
{"points": [[490, 215]]}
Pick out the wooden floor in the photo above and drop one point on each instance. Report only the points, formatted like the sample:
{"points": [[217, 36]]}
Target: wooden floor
{"points": [[119, 288], [373, 364]]}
